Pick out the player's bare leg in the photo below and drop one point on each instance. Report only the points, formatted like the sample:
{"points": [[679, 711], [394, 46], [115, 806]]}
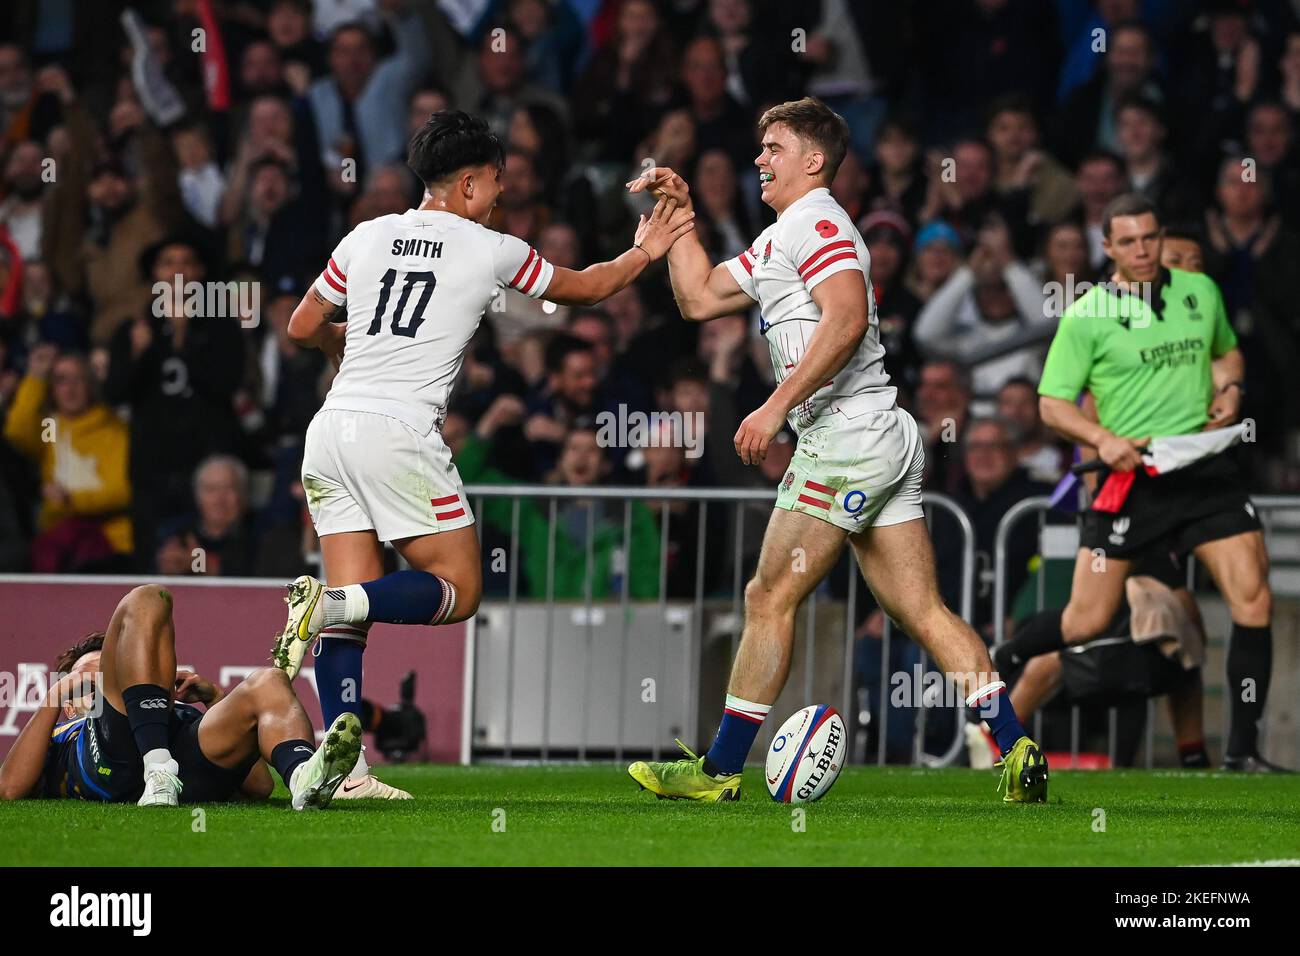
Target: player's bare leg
{"points": [[898, 563], [138, 662], [263, 716], [1096, 593], [1239, 566], [351, 559], [798, 551], [1040, 679]]}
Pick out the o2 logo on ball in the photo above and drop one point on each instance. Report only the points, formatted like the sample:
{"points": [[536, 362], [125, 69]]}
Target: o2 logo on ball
{"points": [[806, 755]]}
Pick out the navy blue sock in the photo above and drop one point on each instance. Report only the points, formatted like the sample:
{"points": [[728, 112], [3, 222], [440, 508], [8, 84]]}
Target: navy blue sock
{"points": [[338, 675], [148, 711], [409, 597], [288, 755], [994, 708], [741, 720]]}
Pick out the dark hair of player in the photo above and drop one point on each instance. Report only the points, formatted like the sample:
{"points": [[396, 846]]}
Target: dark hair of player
{"points": [[1129, 204], [93, 641], [816, 123], [448, 142]]}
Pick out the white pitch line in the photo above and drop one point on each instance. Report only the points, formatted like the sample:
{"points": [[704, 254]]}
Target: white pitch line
{"points": [[1254, 863]]}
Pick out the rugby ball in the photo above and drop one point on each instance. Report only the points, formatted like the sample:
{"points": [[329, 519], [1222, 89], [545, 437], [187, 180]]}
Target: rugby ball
{"points": [[806, 755]]}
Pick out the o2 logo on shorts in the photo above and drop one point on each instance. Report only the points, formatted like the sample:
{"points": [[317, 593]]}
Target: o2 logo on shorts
{"points": [[855, 501], [826, 228]]}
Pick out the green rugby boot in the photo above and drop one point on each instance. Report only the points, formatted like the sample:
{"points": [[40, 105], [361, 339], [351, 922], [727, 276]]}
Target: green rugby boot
{"points": [[684, 779]]}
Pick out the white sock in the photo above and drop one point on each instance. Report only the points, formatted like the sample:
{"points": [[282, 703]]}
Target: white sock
{"points": [[362, 768], [160, 756], [346, 605]]}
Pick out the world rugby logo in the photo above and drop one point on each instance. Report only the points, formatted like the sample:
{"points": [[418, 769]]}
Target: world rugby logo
{"points": [[1118, 529]]}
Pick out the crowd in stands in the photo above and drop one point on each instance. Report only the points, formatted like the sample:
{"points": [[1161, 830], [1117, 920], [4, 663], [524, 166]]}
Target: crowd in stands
{"points": [[234, 142]]}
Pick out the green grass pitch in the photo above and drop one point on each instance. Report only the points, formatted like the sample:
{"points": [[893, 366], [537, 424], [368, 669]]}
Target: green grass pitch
{"points": [[595, 815]]}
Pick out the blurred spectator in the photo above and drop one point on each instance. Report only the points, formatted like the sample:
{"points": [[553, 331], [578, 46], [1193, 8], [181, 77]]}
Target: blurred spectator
{"points": [[942, 407], [1023, 166], [101, 218], [1100, 178], [177, 372], [201, 183], [1140, 132], [521, 210], [989, 315], [1042, 455], [1252, 256], [1088, 121], [898, 180], [215, 539], [20, 211], [937, 256], [359, 108], [568, 400], [1271, 141], [888, 237], [1064, 267], [580, 463], [627, 83], [993, 483], [719, 210], [80, 449]]}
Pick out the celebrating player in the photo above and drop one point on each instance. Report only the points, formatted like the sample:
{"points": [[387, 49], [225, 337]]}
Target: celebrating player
{"points": [[141, 740], [397, 305], [857, 471]]}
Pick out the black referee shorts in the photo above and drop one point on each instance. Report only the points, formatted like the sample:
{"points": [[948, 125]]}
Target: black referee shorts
{"points": [[1203, 502]]}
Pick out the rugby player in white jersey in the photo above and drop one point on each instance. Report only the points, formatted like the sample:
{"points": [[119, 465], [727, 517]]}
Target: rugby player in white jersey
{"points": [[395, 309], [856, 473]]}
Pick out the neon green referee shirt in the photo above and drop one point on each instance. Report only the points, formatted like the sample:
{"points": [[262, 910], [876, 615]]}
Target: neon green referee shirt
{"points": [[1148, 369]]}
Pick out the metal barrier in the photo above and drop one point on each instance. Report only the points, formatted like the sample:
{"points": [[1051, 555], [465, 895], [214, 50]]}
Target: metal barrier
{"points": [[1265, 505], [693, 640]]}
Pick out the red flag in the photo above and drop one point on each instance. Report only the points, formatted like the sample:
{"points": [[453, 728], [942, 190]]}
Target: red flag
{"points": [[216, 73]]}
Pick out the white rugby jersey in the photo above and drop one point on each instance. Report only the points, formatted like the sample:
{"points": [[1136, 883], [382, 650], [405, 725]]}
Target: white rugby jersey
{"points": [[415, 286], [812, 239]]}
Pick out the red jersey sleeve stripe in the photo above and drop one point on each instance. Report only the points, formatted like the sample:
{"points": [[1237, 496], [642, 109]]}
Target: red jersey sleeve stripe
{"points": [[532, 276], [746, 264], [337, 271], [532, 254], [334, 283], [838, 257], [829, 247]]}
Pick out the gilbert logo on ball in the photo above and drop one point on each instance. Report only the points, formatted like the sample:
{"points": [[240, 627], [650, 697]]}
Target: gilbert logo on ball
{"points": [[806, 755]]}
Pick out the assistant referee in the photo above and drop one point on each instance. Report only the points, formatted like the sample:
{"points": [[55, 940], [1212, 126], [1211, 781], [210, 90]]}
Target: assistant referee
{"points": [[1155, 349]]}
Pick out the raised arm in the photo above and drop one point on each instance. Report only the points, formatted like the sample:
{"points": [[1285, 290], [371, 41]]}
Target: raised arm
{"points": [[703, 291], [654, 237]]}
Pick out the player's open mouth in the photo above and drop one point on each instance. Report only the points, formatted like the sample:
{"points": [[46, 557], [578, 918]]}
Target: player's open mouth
{"points": [[764, 178]]}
